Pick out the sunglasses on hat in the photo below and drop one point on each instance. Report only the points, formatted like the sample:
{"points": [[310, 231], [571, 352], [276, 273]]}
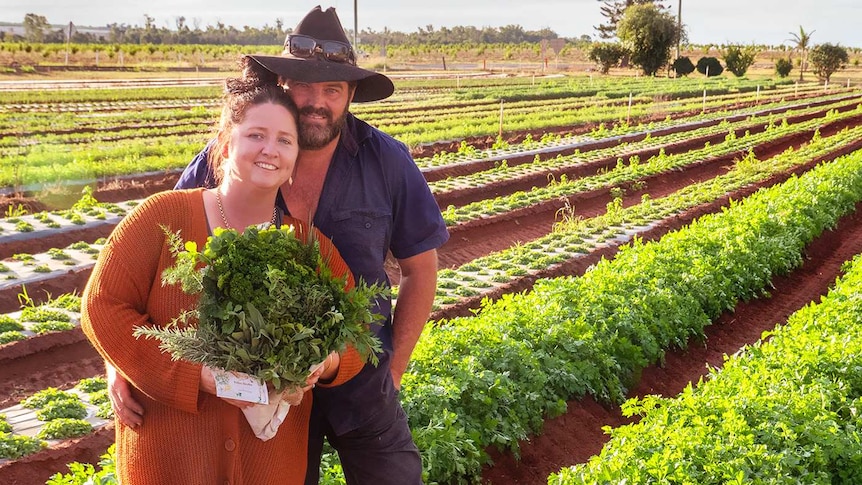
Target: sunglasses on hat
{"points": [[306, 47]]}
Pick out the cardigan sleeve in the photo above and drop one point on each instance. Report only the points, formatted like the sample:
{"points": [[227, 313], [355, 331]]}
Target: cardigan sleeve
{"points": [[124, 292]]}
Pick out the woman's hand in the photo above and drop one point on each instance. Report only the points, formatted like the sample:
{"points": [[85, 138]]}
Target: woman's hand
{"points": [[329, 369], [326, 371], [208, 385]]}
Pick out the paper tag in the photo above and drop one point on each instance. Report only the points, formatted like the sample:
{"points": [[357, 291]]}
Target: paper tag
{"points": [[236, 385]]}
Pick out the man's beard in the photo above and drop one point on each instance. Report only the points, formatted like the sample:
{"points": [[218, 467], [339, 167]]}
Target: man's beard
{"points": [[314, 136]]}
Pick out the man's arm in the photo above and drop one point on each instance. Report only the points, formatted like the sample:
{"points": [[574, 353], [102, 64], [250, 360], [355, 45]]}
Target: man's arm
{"points": [[415, 296]]}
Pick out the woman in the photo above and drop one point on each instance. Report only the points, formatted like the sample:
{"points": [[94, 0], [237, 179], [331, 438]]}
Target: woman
{"points": [[190, 435]]}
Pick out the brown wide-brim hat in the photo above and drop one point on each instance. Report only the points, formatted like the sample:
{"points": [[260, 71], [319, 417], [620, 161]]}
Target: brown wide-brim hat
{"points": [[325, 25]]}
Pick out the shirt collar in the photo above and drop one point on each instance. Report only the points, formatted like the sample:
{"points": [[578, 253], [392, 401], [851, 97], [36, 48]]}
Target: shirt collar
{"points": [[355, 132]]}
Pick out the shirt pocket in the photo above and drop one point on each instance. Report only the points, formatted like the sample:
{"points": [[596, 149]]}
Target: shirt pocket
{"points": [[362, 237]]}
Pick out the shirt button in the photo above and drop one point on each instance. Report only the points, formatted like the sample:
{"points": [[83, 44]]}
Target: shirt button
{"points": [[229, 445], [367, 225]]}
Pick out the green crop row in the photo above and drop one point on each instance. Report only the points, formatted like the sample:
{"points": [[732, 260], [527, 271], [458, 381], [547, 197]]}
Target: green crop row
{"points": [[786, 410]]}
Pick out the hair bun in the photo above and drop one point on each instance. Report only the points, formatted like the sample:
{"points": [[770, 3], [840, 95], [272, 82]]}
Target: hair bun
{"points": [[254, 76]]}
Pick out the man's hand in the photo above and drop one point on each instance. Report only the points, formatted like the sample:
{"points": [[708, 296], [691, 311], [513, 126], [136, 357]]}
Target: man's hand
{"points": [[127, 410]]}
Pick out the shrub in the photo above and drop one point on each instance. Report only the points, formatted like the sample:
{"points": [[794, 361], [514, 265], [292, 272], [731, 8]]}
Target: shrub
{"points": [[783, 67], [682, 66], [738, 59], [709, 66]]}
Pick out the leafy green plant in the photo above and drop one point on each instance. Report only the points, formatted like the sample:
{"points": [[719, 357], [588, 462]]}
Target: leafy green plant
{"points": [[105, 410], [5, 427], [11, 336], [15, 210], [51, 394], [68, 301], [64, 428], [7, 324], [270, 305], [92, 384], [51, 326], [58, 254], [24, 226], [13, 446], [41, 314], [99, 397], [86, 473], [62, 409]]}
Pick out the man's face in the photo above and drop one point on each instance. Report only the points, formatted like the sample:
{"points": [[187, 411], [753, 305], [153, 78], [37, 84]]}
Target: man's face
{"points": [[322, 110]]}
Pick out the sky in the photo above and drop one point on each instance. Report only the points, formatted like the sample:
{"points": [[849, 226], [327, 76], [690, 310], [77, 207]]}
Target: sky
{"points": [[706, 21]]}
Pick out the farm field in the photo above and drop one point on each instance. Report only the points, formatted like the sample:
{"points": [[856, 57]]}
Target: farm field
{"points": [[548, 184]]}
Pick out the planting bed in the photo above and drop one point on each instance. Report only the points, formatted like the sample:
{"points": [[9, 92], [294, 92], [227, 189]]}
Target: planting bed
{"points": [[61, 359]]}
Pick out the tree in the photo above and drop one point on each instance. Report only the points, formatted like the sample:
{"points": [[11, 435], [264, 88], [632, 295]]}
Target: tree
{"points": [[802, 39], [738, 59], [613, 11], [827, 58], [648, 33], [35, 27], [606, 55]]}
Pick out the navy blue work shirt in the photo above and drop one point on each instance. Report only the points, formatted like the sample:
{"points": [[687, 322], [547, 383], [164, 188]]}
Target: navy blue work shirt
{"points": [[374, 200]]}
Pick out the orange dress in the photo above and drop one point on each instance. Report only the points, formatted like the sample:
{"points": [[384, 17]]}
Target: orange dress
{"points": [[188, 436]]}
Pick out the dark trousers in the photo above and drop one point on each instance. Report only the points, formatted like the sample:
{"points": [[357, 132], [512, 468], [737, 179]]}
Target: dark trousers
{"points": [[381, 452]]}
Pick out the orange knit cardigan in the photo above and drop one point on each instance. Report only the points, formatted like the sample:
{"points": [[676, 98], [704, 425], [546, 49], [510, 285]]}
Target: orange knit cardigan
{"points": [[188, 436]]}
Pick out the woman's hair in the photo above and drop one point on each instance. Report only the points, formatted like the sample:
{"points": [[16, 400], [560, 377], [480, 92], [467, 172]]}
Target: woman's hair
{"points": [[256, 86]]}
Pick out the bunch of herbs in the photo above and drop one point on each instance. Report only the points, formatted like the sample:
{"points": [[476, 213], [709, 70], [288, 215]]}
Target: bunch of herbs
{"points": [[270, 305]]}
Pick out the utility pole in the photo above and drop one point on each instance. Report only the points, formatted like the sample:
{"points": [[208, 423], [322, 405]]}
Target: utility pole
{"points": [[356, 22], [678, 28]]}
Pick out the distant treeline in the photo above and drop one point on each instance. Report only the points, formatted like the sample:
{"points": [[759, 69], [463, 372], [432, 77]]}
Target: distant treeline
{"points": [[36, 29]]}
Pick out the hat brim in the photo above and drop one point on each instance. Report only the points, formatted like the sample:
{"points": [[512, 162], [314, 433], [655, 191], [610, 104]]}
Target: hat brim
{"points": [[370, 85]]}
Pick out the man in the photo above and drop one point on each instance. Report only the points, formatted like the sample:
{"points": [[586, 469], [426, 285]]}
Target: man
{"points": [[361, 188]]}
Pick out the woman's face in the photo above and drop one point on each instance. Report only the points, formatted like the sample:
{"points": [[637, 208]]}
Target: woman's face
{"points": [[262, 149]]}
